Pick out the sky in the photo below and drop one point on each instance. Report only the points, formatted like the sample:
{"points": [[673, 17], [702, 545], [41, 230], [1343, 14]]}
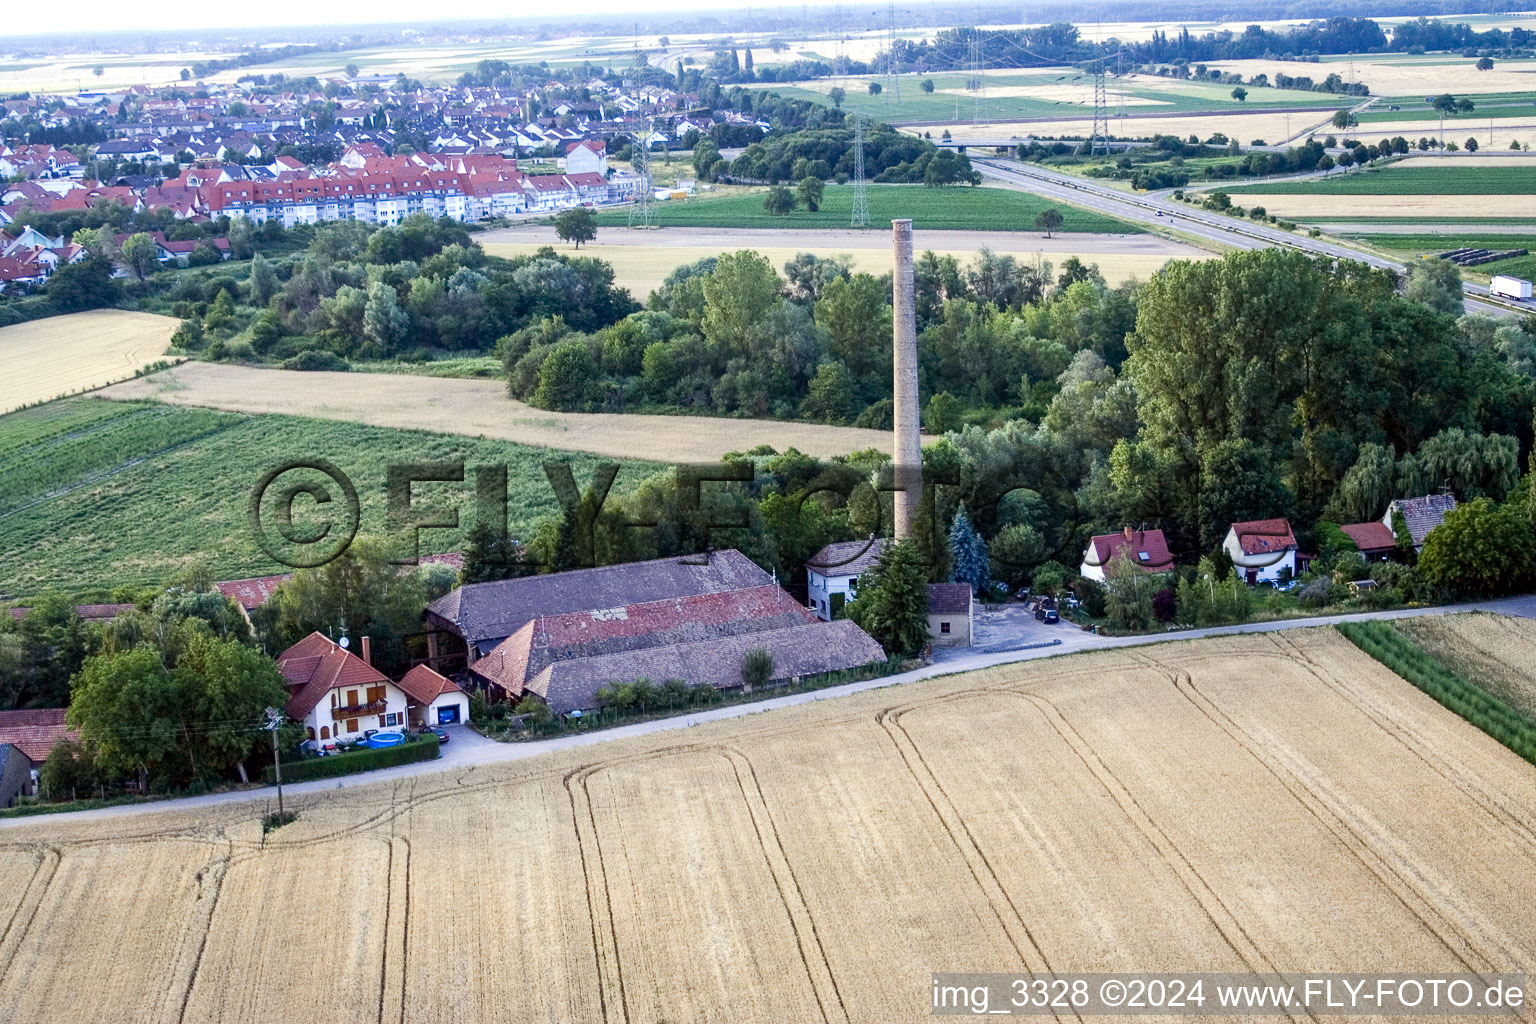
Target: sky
{"points": [[112, 15]]}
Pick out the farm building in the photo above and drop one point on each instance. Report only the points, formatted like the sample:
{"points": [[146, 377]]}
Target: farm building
{"points": [[467, 623], [31, 734], [832, 574], [565, 657], [15, 775], [335, 693], [1263, 550], [1375, 539], [1145, 549], [1420, 515], [434, 699]]}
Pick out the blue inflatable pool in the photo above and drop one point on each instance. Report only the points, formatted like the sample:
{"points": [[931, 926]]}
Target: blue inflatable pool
{"points": [[385, 739]]}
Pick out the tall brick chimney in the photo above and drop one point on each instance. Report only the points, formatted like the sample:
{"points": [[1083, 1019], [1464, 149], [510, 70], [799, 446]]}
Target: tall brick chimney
{"points": [[908, 453], [367, 652]]}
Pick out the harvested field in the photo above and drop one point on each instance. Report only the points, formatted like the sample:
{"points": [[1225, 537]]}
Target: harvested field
{"points": [[1427, 76], [1241, 125], [642, 259], [480, 408], [1494, 651], [1301, 205], [1264, 803], [61, 355]]}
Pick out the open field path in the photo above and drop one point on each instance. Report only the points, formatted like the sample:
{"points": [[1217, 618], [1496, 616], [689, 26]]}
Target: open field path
{"points": [[468, 749], [877, 237], [480, 408]]}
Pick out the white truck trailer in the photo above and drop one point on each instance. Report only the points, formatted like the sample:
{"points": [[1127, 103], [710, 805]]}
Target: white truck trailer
{"points": [[1510, 287]]}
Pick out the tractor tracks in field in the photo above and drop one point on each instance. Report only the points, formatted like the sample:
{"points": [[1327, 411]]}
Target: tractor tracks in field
{"points": [[604, 926], [1428, 900]]}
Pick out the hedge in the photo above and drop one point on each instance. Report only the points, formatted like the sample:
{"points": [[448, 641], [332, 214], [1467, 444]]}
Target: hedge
{"points": [[1471, 702], [424, 749]]}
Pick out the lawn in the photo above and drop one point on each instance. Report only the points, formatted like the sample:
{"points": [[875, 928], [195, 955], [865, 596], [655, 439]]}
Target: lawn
{"points": [[1408, 181], [956, 208], [100, 494]]}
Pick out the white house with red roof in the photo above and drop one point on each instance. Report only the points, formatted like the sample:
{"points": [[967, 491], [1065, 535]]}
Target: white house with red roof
{"points": [[435, 699], [1145, 549], [336, 694], [1263, 550], [589, 156]]}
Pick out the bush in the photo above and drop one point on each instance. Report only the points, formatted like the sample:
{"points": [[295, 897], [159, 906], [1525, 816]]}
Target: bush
{"points": [[757, 668], [422, 749], [316, 359]]}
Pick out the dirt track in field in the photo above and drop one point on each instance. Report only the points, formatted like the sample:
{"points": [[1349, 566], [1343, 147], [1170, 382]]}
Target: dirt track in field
{"points": [[61, 355], [480, 408], [1250, 803]]}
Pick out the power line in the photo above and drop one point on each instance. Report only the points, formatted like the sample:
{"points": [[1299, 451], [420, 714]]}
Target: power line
{"points": [[860, 218], [643, 213]]}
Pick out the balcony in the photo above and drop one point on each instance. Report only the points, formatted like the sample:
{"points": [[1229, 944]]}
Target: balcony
{"points": [[358, 710]]}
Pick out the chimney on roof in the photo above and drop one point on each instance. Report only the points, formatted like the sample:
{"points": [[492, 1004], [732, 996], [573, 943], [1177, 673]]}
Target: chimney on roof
{"points": [[1127, 537], [367, 652]]}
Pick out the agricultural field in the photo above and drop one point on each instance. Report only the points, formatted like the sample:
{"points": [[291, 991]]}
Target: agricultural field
{"points": [[1253, 803], [1062, 92], [1494, 652], [1496, 179], [957, 208], [61, 355], [642, 259], [1401, 75], [95, 493], [1274, 127], [479, 408]]}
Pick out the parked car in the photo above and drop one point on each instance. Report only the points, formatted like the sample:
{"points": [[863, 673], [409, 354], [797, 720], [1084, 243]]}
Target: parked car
{"points": [[1051, 617], [1044, 608], [439, 732]]}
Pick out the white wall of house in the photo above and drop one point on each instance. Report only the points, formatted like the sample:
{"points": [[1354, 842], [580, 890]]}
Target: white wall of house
{"points": [[582, 160], [1265, 568], [1090, 568], [820, 588], [325, 728], [457, 704]]}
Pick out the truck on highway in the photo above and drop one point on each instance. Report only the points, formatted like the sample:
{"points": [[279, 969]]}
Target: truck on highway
{"points": [[1506, 287]]}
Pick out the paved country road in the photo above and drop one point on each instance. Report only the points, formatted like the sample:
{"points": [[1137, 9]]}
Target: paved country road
{"points": [[1213, 227], [468, 749]]}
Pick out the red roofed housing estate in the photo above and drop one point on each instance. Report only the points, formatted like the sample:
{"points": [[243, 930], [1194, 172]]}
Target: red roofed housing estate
{"points": [[1145, 549], [1263, 551]]}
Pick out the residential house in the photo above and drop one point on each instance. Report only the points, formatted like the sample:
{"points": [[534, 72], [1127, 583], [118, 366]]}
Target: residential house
{"points": [[832, 574], [1420, 515], [434, 699], [589, 156], [336, 694], [1145, 549], [1263, 550], [950, 614]]}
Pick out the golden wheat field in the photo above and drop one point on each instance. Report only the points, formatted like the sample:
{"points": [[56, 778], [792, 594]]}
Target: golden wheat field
{"points": [[1494, 651], [1302, 205], [61, 355], [1265, 802]]}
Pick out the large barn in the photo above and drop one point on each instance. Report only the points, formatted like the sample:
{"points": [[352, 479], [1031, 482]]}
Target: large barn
{"points": [[563, 636]]}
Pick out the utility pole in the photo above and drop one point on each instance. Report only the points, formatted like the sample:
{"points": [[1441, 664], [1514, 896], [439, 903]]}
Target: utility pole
{"points": [[1100, 112], [892, 80], [860, 218], [643, 213], [274, 722]]}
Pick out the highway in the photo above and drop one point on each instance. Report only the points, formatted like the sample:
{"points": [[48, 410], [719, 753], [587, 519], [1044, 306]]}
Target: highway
{"points": [[1217, 228]]}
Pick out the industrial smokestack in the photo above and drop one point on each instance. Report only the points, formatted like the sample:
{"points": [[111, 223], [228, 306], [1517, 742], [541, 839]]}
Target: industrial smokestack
{"points": [[908, 454]]}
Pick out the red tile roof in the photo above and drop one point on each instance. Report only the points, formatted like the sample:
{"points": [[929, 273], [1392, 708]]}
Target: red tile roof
{"points": [[317, 665], [423, 685], [254, 592], [1265, 536], [1372, 536], [35, 732], [1145, 548]]}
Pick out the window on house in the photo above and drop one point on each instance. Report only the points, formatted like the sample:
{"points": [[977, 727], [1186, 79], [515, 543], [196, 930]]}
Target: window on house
{"points": [[375, 693], [351, 725], [325, 732], [943, 627]]}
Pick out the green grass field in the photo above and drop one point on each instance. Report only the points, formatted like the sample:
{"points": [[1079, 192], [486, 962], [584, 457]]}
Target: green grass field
{"points": [[957, 208], [99, 494], [1408, 181], [1444, 242], [1413, 108], [949, 100]]}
